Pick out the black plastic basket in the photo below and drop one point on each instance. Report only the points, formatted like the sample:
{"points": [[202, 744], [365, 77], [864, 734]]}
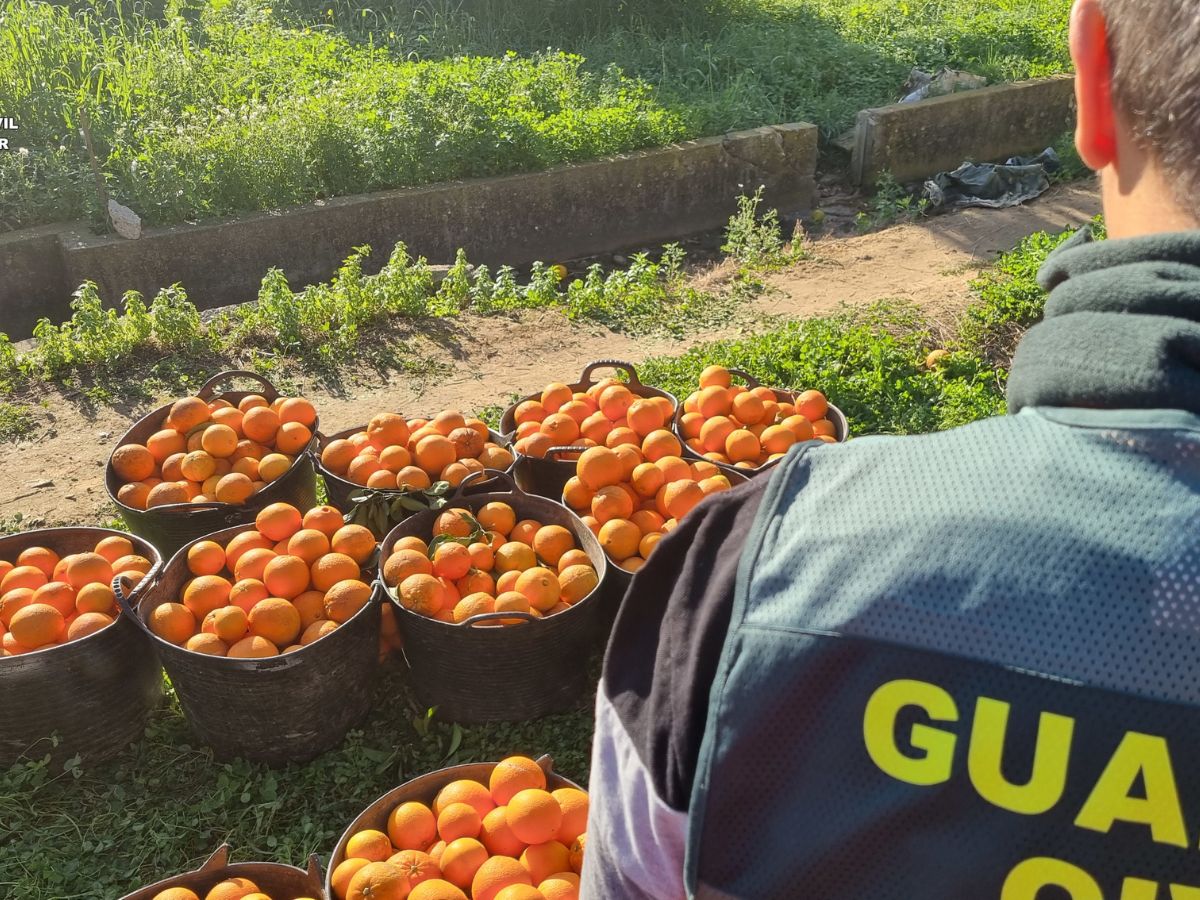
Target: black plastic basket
{"points": [[94, 693], [473, 672], [172, 525], [424, 789], [278, 881], [546, 477], [287, 708], [835, 415]]}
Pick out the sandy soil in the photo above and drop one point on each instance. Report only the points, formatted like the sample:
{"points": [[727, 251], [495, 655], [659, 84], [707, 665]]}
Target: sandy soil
{"points": [[58, 476]]}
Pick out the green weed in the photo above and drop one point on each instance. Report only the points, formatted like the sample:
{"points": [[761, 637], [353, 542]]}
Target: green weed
{"points": [[16, 421], [891, 203]]}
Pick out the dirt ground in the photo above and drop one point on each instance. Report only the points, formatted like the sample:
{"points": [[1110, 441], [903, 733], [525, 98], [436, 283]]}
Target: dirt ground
{"points": [[57, 477]]}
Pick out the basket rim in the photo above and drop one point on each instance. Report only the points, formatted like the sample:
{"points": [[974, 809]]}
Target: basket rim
{"points": [[636, 385], [143, 585], [389, 540], [186, 510], [217, 865], [323, 440], [179, 559]]}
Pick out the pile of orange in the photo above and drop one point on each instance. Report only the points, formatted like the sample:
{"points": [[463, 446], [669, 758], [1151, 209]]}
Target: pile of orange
{"points": [[395, 453], [214, 451], [47, 600], [275, 588], [749, 427], [229, 889], [489, 562], [510, 839], [606, 415], [630, 498]]}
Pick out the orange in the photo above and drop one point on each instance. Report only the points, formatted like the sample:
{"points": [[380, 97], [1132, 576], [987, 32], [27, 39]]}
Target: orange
{"points": [[413, 479], [112, 548], [229, 623], [436, 889], [823, 428], [576, 582], [292, 438], [555, 395], [173, 622], [134, 495], [23, 577], [615, 401], [378, 881], [273, 466], [297, 409], [511, 601], [232, 889], [253, 564], [447, 420], [451, 560], [388, 430], [777, 439], [714, 401], [630, 457], [403, 563], [165, 493], [519, 892], [186, 413], [742, 446], [534, 816], [561, 886], [812, 405], [316, 631], [577, 850], [468, 443], [678, 498], [324, 519], [371, 845], [619, 538], [475, 604], [714, 432], [260, 424], [621, 435], [311, 606], [246, 592], [163, 444], [236, 487], [241, 543], [412, 826], [598, 467], [345, 870], [690, 424], [648, 542], [422, 594], [57, 594], [461, 860], [454, 522], [799, 426], [204, 593], [417, 867], [514, 556], [611, 502], [86, 624], [332, 568], [465, 791], [496, 516], [550, 542], [458, 820], [513, 775], [219, 441], [208, 644], [95, 598], [37, 625], [648, 521], [252, 401], [286, 576], [393, 459], [561, 428], [253, 647], [714, 485], [633, 564], [276, 620], [644, 416], [574, 557], [715, 375], [596, 427], [434, 452], [363, 468], [543, 860], [355, 541], [659, 444], [497, 837], [574, 805], [496, 874], [133, 462], [748, 409], [483, 557], [540, 587], [524, 531], [647, 479], [206, 558], [227, 415], [176, 893], [337, 456], [345, 599], [530, 411], [309, 545], [278, 522]]}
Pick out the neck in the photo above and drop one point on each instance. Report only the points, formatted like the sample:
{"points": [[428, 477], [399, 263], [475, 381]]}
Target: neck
{"points": [[1142, 205]]}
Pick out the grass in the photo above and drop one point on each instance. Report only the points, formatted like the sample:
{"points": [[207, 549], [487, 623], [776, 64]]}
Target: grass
{"points": [[201, 108], [165, 804]]}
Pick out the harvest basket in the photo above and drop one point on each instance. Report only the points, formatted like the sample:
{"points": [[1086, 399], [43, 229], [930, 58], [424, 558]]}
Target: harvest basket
{"points": [[546, 477], [347, 495], [280, 882], [96, 692], [287, 708], [423, 790], [171, 526], [835, 415], [474, 672]]}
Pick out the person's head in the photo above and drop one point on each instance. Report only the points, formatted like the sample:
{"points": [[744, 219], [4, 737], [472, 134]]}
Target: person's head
{"points": [[1137, 82]]}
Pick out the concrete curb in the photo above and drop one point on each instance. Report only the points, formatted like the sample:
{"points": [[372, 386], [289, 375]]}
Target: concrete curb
{"points": [[639, 199], [916, 140]]}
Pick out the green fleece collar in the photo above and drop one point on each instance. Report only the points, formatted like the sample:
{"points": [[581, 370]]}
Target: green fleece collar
{"points": [[1121, 330]]}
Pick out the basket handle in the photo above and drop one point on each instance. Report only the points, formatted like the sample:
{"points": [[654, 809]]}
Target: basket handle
{"points": [[486, 473], [493, 616], [750, 380], [555, 452], [617, 364], [209, 388], [546, 762], [124, 587], [218, 860], [314, 869]]}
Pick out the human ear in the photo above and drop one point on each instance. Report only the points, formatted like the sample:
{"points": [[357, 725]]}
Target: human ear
{"points": [[1096, 126]]}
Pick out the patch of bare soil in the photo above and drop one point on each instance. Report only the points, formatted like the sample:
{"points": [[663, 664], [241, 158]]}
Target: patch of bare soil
{"points": [[57, 477]]}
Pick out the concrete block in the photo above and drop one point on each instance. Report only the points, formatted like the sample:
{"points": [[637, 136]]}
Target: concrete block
{"points": [[916, 140]]}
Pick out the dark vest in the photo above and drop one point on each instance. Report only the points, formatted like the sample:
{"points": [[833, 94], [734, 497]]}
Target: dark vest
{"points": [[965, 666]]}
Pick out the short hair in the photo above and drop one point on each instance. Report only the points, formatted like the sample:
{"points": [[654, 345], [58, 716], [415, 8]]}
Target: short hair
{"points": [[1155, 47]]}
